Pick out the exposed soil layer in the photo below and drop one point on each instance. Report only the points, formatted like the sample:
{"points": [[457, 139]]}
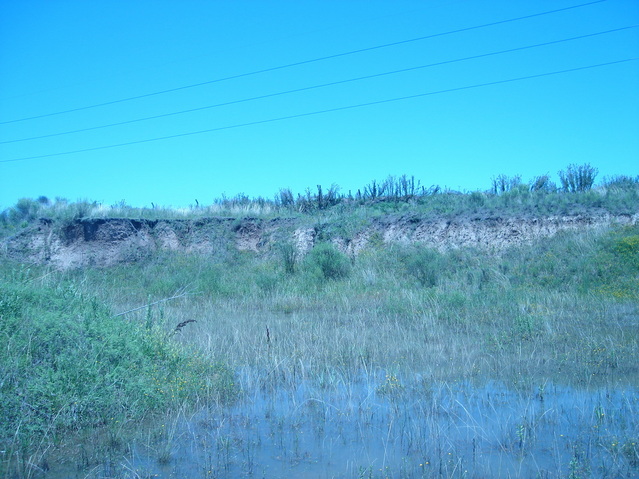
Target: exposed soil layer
{"points": [[105, 242]]}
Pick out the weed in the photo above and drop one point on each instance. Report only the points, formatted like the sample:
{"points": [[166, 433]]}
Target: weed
{"points": [[288, 254], [578, 177], [325, 262], [391, 387]]}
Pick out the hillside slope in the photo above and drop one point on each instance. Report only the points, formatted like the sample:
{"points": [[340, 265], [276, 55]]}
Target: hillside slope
{"points": [[107, 241]]}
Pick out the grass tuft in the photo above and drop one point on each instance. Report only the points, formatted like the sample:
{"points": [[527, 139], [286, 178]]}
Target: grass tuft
{"points": [[69, 364]]}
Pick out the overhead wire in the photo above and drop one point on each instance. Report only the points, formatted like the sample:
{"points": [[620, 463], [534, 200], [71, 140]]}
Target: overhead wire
{"points": [[323, 85], [303, 62], [320, 112], [238, 46]]}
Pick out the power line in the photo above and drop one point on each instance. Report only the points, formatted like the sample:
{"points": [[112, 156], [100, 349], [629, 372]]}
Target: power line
{"points": [[241, 46], [323, 85], [321, 112], [303, 62]]}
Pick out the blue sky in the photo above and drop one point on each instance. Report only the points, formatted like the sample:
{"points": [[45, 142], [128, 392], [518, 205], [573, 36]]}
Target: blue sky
{"points": [[60, 55]]}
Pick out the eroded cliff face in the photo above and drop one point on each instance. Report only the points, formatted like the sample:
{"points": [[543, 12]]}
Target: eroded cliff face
{"points": [[105, 242]]}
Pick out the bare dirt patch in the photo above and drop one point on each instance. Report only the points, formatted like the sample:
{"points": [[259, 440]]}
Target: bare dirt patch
{"points": [[104, 242]]}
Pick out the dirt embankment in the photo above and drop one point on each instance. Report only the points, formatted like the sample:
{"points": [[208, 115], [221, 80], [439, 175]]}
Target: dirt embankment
{"points": [[104, 242]]}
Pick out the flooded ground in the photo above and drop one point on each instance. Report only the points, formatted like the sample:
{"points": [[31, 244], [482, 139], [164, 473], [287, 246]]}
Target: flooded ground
{"points": [[384, 427]]}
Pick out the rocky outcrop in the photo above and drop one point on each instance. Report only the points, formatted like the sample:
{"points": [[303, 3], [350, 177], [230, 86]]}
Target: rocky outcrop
{"points": [[104, 242]]}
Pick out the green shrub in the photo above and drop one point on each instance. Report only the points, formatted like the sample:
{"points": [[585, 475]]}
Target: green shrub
{"points": [[477, 198], [502, 184], [25, 209], [326, 262], [616, 263], [559, 263], [165, 273], [266, 279], [621, 182], [543, 184], [626, 246], [424, 264], [578, 178], [69, 364], [608, 263]]}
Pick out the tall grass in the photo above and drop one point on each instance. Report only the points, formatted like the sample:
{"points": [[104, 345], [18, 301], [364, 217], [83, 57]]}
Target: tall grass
{"points": [[454, 313], [69, 364]]}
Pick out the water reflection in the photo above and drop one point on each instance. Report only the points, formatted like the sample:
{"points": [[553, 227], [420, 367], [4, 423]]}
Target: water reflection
{"points": [[383, 428]]}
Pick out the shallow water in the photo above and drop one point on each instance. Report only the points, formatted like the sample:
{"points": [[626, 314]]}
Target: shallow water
{"points": [[380, 427]]}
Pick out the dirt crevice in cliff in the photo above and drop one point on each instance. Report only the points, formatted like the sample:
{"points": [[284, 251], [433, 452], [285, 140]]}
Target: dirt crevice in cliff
{"points": [[104, 242]]}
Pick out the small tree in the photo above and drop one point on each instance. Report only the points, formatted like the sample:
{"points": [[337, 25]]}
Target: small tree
{"points": [[578, 178], [502, 183], [373, 191], [542, 183], [424, 264], [621, 182], [25, 209], [286, 198], [327, 262]]}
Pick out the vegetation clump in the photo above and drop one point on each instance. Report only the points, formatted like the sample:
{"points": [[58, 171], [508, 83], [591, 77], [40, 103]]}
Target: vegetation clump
{"points": [[325, 261], [424, 264], [69, 364]]}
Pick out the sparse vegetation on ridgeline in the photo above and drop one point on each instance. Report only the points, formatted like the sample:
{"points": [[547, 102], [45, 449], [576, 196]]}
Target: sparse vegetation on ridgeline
{"points": [[507, 196]]}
